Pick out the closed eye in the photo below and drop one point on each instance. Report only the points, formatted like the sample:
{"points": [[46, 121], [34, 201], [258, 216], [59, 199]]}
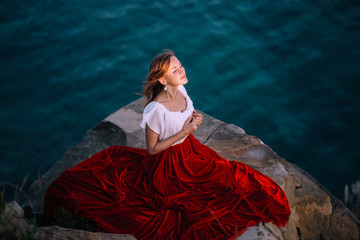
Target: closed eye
{"points": [[180, 66]]}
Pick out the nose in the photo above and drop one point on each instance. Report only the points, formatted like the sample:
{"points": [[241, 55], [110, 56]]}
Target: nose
{"points": [[182, 70]]}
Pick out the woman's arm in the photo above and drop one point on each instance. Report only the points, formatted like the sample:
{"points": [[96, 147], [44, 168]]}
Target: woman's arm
{"points": [[153, 145]]}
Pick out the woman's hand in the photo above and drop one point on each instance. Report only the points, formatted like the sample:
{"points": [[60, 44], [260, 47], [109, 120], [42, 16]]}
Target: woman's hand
{"points": [[197, 117], [192, 123], [189, 126]]}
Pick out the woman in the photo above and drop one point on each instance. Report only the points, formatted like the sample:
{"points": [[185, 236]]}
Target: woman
{"points": [[176, 188]]}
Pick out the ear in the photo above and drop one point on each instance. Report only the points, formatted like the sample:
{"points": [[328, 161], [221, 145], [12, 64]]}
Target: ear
{"points": [[162, 81]]}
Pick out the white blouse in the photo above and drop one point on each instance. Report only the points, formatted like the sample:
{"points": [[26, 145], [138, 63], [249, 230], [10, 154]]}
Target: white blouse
{"points": [[164, 122]]}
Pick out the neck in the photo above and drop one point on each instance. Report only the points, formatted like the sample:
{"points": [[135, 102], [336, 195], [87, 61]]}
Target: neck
{"points": [[171, 92]]}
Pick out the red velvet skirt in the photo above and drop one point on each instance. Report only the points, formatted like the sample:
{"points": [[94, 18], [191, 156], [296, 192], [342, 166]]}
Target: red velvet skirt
{"points": [[185, 192]]}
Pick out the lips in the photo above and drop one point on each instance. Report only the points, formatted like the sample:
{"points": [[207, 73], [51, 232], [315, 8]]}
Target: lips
{"points": [[183, 77]]}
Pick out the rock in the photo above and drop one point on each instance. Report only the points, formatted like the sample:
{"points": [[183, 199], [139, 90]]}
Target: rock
{"points": [[14, 225], [58, 233], [316, 213], [128, 119], [14, 215], [352, 197], [263, 231]]}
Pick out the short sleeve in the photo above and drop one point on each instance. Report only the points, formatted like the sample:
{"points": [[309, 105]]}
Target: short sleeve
{"points": [[152, 116]]}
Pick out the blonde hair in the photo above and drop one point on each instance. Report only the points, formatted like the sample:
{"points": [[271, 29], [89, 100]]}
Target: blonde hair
{"points": [[158, 68]]}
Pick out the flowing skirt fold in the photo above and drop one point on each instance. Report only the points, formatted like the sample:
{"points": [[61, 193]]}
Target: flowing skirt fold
{"points": [[187, 191]]}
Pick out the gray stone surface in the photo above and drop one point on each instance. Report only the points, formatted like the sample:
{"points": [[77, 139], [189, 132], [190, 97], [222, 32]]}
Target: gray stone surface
{"points": [[316, 213]]}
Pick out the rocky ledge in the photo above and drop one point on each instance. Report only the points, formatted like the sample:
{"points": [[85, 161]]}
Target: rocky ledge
{"points": [[316, 213]]}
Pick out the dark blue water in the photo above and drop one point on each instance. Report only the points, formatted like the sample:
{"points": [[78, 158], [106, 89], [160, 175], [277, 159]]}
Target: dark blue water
{"points": [[285, 71]]}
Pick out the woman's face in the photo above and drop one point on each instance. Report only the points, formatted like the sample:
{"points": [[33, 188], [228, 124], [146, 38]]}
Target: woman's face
{"points": [[176, 75]]}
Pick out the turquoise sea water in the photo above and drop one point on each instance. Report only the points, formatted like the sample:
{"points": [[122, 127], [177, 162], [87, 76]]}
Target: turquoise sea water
{"points": [[285, 71]]}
